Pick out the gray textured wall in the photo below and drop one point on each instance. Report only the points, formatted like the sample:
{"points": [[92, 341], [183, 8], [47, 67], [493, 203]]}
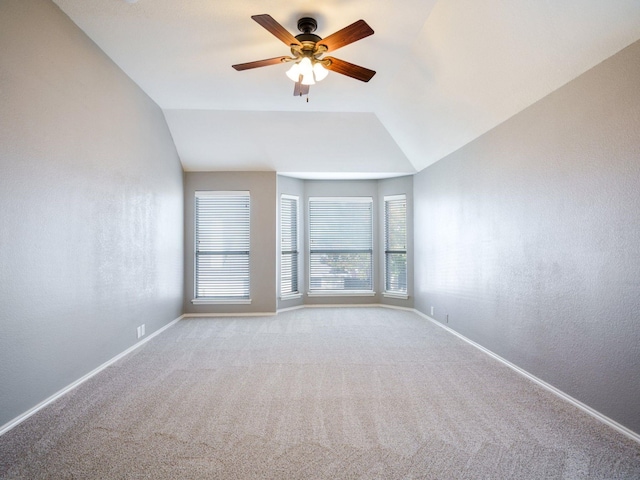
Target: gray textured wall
{"points": [[91, 208], [264, 202], [529, 239]]}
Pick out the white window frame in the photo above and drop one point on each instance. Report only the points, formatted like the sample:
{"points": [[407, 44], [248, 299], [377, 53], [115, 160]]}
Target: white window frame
{"points": [[296, 252], [221, 299], [386, 291], [310, 252]]}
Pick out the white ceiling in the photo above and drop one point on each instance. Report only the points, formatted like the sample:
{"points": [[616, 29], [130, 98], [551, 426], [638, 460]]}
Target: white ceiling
{"points": [[447, 72]]}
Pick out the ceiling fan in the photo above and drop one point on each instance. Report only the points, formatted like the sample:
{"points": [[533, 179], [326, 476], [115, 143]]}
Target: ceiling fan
{"points": [[307, 50]]}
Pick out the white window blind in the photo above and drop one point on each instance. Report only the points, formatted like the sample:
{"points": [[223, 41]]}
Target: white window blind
{"points": [[340, 244], [395, 244], [288, 245], [222, 245]]}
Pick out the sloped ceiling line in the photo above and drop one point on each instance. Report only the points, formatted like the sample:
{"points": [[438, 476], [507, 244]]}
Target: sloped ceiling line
{"points": [[447, 72]]}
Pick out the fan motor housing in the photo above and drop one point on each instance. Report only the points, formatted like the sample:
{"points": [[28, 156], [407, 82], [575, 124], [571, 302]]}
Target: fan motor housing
{"points": [[307, 26]]}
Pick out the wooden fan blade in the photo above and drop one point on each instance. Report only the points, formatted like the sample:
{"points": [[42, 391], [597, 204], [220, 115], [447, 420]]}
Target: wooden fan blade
{"points": [[259, 63], [300, 90], [349, 69], [354, 32], [276, 29]]}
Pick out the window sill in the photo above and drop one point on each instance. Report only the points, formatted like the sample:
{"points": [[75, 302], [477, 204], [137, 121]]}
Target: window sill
{"points": [[341, 293], [221, 301], [402, 296], [293, 296]]}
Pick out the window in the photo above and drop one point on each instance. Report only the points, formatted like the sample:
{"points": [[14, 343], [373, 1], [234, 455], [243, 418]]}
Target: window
{"points": [[395, 245], [222, 247], [340, 245], [288, 245]]}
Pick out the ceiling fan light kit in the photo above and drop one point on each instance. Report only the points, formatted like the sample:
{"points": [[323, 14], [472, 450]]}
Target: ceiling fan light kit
{"points": [[308, 68], [307, 50], [307, 71]]}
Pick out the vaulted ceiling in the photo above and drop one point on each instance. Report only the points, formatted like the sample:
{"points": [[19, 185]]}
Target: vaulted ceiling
{"points": [[447, 72]]}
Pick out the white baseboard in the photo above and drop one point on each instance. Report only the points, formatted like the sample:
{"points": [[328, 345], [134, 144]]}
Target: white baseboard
{"points": [[21, 418], [342, 305], [289, 309], [585, 408], [577, 403], [397, 307]]}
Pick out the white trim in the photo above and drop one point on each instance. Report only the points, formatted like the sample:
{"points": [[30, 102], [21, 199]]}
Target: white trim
{"points": [[397, 307], [576, 403], [222, 193], [585, 408], [341, 293], [291, 296], [218, 314], [342, 305], [21, 418], [346, 305], [226, 301], [402, 296], [389, 198], [350, 305], [355, 199], [288, 309], [290, 197]]}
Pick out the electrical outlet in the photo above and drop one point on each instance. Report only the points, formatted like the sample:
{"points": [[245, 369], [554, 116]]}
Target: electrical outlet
{"points": [[140, 331], [432, 311]]}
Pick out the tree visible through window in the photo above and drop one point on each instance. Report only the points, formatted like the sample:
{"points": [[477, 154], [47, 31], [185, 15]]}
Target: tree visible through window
{"points": [[340, 244], [395, 244]]}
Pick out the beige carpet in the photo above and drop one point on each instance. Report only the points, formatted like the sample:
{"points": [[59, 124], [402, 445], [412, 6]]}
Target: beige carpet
{"points": [[313, 394]]}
